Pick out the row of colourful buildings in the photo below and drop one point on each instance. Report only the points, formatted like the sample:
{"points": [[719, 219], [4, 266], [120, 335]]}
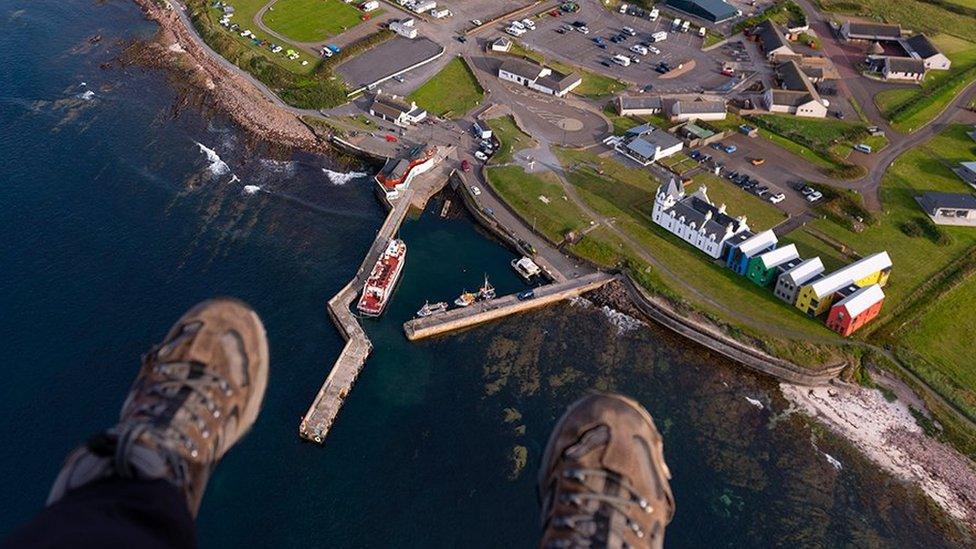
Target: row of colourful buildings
{"points": [[850, 296]]}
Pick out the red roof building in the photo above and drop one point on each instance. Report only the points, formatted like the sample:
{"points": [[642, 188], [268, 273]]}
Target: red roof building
{"points": [[855, 310]]}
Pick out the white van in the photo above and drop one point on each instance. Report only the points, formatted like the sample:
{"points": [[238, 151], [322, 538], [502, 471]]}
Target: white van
{"points": [[685, 26], [637, 48], [517, 25], [861, 147], [659, 36], [702, 31], [654, 14], [676, 24], [621, 60], [528, 23], [623, 8], [514, 31]]}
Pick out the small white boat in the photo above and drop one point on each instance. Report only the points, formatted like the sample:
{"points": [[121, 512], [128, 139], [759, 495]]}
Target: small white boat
{"points": [[487, 291], [430, 309]]}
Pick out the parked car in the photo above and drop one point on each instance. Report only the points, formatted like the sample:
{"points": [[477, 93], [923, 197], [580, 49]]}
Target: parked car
{"points": [[527, 294], [583, 29], [465, 166], [814, 196], [757, 161], [861, 147], [807, 190], [475, 191], [730, 148], [777, 198], [480, 156], [629, 31], [653, 50], [399, 79], [476, 22]]}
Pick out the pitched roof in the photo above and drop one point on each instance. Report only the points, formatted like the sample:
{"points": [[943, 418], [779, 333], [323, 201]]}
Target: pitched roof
{"points": [[700, 105], [628, 102], [771, 36], [932, 201], [661, 138], [521, 68], [861, 300], [874, 29], [643, 128], [758, 242], [846, 275], [704, 215], [795, 87], [558, 81], [391, 103], [905, 65], [804, 272], [921, 45], [779, 256]]}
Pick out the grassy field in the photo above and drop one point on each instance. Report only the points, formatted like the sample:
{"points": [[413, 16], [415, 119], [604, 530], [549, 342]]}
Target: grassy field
{"points": [[912, 14], [245, 10], [593, 85], [916, 259], [910, 108], [452, 92], [310, 20], [522, 192], [511, 138], [945, 336]]}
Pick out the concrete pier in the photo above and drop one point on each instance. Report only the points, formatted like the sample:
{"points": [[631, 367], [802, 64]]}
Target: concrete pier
{"points": [[457, 319]]}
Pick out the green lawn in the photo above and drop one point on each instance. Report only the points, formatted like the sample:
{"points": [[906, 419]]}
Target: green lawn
{"points": [[452, 92], [910, 108], [593, 85], [511, 137], [522, 191], [311, 20]]}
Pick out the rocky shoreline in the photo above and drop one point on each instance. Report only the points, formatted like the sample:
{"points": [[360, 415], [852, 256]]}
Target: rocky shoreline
{"points": [[173, 48], [887, 433]]}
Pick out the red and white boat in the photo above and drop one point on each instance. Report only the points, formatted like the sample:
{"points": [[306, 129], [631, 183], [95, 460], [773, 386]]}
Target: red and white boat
{"points": [[383, 279]]}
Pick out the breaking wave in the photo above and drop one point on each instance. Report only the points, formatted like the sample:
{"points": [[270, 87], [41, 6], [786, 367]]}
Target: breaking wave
{"points": [[87, 95], [340, 178], [216, 166], [623, 322], [833, 461], [279, 166]]}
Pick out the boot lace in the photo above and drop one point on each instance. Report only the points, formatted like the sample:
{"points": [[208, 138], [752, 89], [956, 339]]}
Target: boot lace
{"points": [[585, 524]]}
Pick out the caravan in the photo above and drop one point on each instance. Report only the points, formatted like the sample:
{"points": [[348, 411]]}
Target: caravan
{"points": [[621, 60]]}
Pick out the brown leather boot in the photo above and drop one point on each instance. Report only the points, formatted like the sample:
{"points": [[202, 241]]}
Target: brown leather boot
{"points": [[196, 395], [603, 481]]}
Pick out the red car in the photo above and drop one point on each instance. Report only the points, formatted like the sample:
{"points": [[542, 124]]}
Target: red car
{"points": [[390, 138], [554, 13], [465, 166]]}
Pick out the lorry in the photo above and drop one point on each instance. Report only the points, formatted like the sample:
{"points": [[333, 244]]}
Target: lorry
{"points": [[621, 60], [659, 36]]}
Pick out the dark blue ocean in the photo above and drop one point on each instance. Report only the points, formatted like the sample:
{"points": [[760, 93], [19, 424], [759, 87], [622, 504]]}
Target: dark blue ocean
{"points": [[114, 220]]}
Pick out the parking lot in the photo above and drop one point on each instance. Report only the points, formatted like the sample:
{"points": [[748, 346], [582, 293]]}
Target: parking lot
{"points": [[388, 58], [551, 38]]}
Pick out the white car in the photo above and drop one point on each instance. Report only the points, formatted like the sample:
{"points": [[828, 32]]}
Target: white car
{"points": [[584, 29], [475, 191], [476, 22], [637, 48], [528, 23], [653, 50], [814, 196], [777, 198], [481, 156]]}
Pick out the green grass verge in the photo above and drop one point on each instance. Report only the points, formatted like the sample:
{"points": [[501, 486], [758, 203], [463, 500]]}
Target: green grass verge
{"points": [[826, 143], [522, 192], [202, 11], [593, 86], [511, 138], [311, 20], [909, 109], [452, 92]]}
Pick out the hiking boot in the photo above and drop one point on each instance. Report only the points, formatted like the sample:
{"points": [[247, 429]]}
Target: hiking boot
{"points": [[196, 395], [603, 481]]}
